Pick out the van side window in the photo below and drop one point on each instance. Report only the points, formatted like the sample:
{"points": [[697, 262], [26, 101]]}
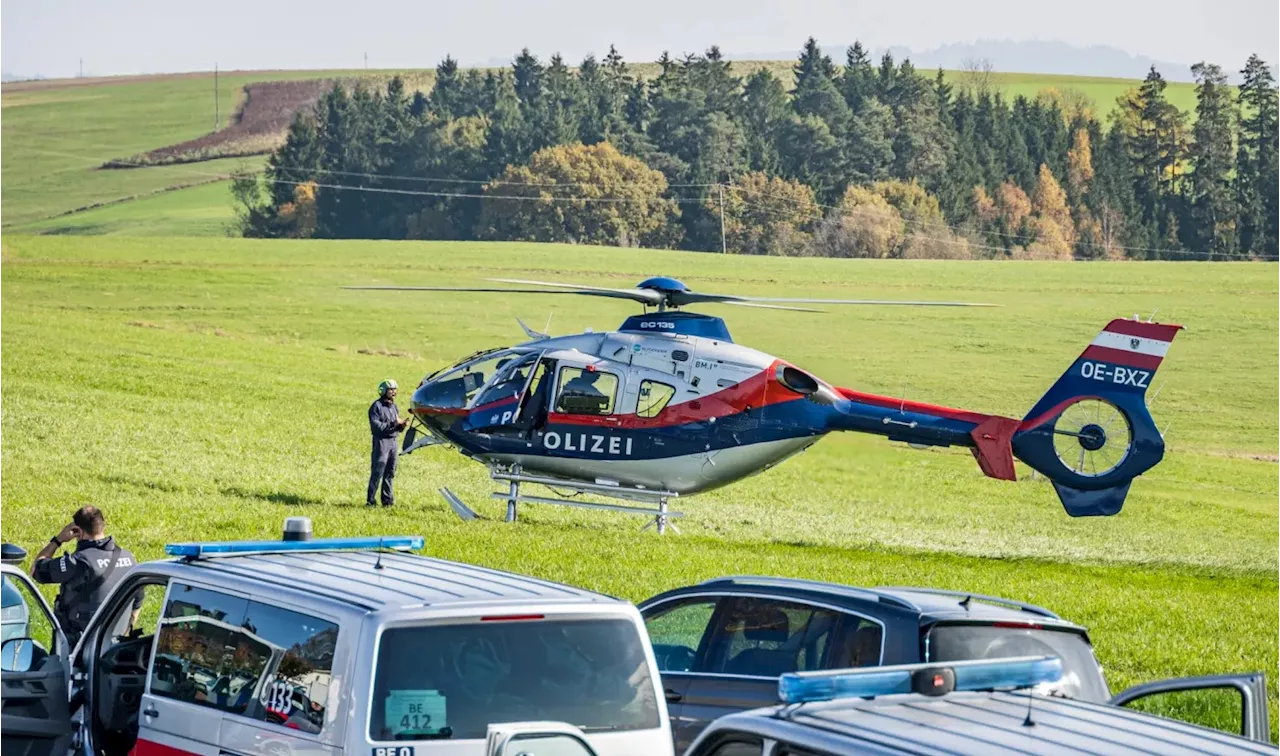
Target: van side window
{"points": [[243, 657], [586, 392], [201, 640], [295, 689], [653, 398]]}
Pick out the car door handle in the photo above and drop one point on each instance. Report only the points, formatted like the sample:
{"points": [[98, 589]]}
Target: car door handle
{"points": [[672, 696], [150, 711]]}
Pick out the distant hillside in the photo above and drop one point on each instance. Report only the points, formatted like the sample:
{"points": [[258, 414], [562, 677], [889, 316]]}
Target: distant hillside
{"points": [[1008, 56]]}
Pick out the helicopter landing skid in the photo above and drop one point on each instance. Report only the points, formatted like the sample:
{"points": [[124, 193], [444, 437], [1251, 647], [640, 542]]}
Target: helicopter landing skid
{"points": [[662, 516]]}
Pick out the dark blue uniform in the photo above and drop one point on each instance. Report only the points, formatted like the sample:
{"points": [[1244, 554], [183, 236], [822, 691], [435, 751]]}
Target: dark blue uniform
{"points": [[384, 424], [86, 575]]}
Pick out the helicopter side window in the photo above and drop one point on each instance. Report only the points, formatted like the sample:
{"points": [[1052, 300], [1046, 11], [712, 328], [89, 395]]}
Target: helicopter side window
{"points": [[653, 398], [586, 392]]}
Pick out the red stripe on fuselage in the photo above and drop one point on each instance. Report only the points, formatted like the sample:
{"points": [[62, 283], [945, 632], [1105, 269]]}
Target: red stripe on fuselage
{"points": [[1157, 331], [758, 391], [1121, 357], [925, 409]]}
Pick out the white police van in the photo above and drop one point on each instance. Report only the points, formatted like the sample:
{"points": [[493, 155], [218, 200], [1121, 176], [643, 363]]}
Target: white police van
{"points": [[334, 647]]}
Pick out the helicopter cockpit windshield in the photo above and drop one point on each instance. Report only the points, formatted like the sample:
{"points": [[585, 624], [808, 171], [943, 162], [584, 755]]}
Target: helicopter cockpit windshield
{"points": [[459, 386]]}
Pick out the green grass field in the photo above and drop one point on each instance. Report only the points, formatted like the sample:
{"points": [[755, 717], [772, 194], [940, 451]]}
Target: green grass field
{"points": [[207, 388], [57, 133]]}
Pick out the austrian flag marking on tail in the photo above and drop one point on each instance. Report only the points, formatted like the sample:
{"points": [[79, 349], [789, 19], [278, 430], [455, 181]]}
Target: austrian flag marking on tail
{"points": [[1132, 343]]}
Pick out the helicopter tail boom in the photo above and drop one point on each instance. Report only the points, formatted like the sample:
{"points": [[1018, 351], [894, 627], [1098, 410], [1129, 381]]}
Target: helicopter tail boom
{"points": [[1090, 434]]}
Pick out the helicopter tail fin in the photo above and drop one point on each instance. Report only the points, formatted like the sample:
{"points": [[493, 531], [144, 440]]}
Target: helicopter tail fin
{"points": [[1091, 434]]}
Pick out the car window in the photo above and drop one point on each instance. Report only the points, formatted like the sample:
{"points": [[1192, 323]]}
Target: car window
{"points": [[676, 630], [1081, 677], [767, 637], [858, 644], [451, 681], [294, 691], [242, 657], [22, 615], [653, 398], [201, 636], [586, 392]]}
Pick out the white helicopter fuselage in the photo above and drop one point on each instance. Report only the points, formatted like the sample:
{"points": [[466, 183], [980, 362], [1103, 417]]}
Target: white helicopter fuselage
{"points": [[682, 413]]}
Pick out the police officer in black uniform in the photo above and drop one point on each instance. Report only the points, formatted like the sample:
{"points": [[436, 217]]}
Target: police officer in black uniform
{"points": [[86, 575], [385, 424]]}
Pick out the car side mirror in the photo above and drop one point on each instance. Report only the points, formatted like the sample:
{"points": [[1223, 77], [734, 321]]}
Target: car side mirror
{"points": [[17, 655], [12, 554]]}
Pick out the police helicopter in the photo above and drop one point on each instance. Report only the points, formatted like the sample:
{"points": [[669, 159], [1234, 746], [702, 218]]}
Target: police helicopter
{"points": [[669, 405]]}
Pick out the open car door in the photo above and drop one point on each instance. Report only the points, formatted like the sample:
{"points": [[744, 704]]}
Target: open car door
{"points": [[35, 669], [1255, 724]]}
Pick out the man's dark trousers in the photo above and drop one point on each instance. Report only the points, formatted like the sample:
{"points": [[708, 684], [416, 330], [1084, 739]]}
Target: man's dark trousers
{"points": [[382, 469]]}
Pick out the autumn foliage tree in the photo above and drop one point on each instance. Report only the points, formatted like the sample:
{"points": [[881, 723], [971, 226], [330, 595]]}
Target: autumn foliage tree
{"points": [[768, 216], [579, 194]]}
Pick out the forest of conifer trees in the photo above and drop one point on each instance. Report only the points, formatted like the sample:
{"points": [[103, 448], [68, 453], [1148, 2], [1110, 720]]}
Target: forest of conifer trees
{"points": [[868, 159]]}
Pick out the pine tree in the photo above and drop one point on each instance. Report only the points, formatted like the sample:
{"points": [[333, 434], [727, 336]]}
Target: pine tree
{"points": [[815, 91], [859, 79], [764, 109], [447, 96], [1213, 208], [1157, 140], [1257, 161], [526, 71]]}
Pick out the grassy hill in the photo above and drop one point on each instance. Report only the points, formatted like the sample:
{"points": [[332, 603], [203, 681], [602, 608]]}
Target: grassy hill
{"points": [[57, 133], [207, 388]]}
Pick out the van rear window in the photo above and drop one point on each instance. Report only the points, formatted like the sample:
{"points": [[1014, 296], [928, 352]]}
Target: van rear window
{"points": [[451, 681]]}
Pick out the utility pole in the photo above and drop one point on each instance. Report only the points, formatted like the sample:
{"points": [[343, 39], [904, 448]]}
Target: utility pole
{"points": [[217, 120], [366, 61], [81, 68], [723, 248]]}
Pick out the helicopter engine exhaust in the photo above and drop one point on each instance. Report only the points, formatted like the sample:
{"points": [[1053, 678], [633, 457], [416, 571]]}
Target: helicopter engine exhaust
{"points": [[797, 380]]}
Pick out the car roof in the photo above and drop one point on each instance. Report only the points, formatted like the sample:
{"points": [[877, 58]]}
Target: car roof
{"points": [[930, 605], [389, 580], [985, 723]]}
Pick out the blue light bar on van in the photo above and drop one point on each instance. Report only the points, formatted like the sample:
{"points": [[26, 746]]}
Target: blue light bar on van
{"points": [[929, 679], [230, 548]]}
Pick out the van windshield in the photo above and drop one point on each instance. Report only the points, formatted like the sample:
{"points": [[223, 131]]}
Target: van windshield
{"points": [[451, 681], [1081, 676]]}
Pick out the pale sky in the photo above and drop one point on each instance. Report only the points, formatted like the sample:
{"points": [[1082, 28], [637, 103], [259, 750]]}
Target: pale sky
{"points": [[49, 37]]}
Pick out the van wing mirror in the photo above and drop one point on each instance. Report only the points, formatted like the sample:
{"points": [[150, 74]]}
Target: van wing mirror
{"points": [[1255, 723], [536, 739], [18, 655]]}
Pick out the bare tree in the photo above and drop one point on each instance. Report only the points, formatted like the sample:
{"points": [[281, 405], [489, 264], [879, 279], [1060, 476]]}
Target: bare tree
{"points": [[976, 74]]}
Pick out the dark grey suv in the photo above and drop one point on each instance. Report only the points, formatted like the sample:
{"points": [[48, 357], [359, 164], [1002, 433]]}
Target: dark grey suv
{"points": [[722, 644]]}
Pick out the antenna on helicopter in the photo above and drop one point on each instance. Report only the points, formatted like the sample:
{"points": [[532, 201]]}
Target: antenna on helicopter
{"points": [[532, 333]]}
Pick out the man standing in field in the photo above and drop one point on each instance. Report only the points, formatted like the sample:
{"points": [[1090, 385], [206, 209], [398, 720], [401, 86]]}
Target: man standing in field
{"points": [[87, 575], [385, 425]]}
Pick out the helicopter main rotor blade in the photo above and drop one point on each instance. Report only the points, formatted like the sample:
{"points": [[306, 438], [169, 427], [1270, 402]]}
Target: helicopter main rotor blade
{"points": [[647, 296], [683, 298], [637, 295], [770, 306]]}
